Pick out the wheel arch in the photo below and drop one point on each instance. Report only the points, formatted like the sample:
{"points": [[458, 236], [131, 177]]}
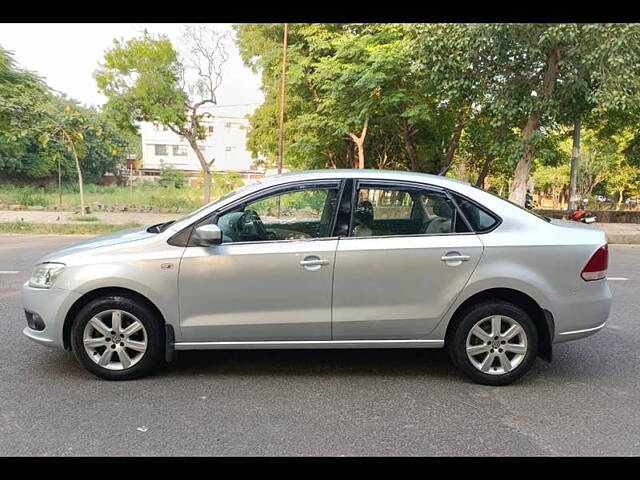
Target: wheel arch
{"points": [[542, 318], [96, 293]]}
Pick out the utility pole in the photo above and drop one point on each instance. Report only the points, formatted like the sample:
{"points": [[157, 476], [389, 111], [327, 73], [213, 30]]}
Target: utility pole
{"points": [[282, 85], [575, 154], [59, 187]]}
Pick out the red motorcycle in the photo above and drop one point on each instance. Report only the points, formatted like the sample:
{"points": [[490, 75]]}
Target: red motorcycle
{"points": [[583, 216]]}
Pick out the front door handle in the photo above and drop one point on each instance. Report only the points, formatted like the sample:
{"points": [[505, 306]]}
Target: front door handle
{"points": [[313, 263]]}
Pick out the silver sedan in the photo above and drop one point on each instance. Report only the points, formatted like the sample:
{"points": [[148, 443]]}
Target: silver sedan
{"points": [[329, 259]]}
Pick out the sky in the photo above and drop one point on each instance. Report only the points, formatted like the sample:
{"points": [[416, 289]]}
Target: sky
{"points": [[66, 55]]}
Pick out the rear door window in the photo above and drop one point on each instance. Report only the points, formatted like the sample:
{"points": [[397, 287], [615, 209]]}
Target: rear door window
{"points": [[389, 210]]}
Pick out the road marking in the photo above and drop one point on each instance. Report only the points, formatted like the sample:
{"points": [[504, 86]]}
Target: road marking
{"points": [[617, 278], [8, 272]]}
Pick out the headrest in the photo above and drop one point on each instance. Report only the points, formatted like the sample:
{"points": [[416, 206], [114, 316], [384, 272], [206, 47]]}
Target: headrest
{"points": [[442, 208]]}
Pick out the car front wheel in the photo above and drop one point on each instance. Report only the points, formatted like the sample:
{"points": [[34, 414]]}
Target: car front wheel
{"points": [[494, 343], [117, 338]]}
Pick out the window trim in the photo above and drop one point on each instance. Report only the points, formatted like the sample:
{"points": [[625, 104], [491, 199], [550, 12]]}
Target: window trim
{"points": [[394, 184], [266, 192]]}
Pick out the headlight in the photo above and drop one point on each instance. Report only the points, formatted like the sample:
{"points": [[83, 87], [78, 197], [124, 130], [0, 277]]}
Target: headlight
{"points": [[45, 274]]}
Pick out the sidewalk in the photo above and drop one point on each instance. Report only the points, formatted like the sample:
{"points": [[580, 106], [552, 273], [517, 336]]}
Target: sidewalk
{"points": [[624, 233]]}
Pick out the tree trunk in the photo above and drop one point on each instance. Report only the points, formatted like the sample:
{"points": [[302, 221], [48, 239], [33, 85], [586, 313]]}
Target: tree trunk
{"points": [[204, 165], [485, 171], [351, 158], [621, 193], [455, 140], [80, 186], [332, 160], [518, 191], [408, 134], [359, 141], [575, 155], [521, 175]]}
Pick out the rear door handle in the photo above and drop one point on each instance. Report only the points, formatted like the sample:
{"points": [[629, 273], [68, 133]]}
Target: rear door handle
{"points": [[455, 258], [306, 263]]}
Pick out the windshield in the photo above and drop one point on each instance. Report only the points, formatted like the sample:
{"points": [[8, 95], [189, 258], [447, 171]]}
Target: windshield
{"points": [[220, 199]]}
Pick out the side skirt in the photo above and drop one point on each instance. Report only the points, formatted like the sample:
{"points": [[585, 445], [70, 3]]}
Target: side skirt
{"points": [[309, 344]]}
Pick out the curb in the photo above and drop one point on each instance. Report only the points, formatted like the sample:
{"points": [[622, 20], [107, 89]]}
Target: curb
{"points": [[623, 239]]}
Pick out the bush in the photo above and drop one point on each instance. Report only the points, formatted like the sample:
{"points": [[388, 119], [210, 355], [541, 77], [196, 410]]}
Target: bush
{"points": [[170, 177]]}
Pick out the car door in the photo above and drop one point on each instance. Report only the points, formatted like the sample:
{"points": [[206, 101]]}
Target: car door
{"points": [[271, 278], [408, 256]]}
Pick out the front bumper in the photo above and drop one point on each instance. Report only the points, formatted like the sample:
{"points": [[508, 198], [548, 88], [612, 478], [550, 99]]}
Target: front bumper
{"points": [[52, 305]]}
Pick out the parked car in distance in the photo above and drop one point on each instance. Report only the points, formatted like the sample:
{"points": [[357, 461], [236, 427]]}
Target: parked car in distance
{"points": [[329, 259]]}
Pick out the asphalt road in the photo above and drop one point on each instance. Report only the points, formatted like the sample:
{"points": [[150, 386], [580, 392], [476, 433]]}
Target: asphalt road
{"points": [[360, 402]]}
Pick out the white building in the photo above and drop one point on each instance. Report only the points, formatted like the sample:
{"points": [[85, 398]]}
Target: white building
{"points": [[225, 143]]}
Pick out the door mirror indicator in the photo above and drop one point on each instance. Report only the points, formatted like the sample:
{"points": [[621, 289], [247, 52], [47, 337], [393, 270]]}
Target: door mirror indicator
{"points": [[208, 235]]}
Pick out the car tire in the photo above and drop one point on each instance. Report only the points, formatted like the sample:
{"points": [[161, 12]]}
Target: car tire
{"points": [[137, 346], [481, 348]]}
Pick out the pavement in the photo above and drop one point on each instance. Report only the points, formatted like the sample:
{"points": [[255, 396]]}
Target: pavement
{"points": [[618, 233], [341, 402]]}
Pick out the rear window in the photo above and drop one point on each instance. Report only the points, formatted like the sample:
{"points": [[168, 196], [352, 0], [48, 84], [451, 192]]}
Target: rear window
{"points": [[481, 220], [530, 212]]}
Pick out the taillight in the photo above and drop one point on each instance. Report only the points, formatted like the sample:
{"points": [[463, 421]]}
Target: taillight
{"points": [[596, 267]]}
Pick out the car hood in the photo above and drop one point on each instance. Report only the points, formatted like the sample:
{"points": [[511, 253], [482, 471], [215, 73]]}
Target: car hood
{"points": [[122, 236]]}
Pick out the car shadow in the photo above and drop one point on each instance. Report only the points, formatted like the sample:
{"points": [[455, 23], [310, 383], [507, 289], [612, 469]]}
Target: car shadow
{"points": [[359, 362], [572, 362]]}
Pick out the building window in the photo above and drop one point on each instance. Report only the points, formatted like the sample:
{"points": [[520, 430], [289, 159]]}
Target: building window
{"points": [[179, 151], [210, 130], [156, 127], [160, 149], [227, 149], [227, 125]]}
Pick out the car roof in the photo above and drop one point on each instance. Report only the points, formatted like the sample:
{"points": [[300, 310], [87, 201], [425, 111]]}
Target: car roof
{"points": [[359, 173]]}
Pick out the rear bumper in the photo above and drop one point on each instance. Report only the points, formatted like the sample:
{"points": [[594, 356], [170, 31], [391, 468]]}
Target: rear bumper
{"points": [[576, 334], [52, 305], [583, 313]]}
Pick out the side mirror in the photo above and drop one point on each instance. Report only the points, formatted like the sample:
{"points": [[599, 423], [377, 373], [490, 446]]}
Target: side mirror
{"points": [[208, 235]]}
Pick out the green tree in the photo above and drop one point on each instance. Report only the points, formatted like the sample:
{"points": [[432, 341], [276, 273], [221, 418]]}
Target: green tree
{"points": [[144, 79], [542, 75]]}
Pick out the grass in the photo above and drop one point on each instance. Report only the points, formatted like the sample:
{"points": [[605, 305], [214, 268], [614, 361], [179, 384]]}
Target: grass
{"points": [[87, 219], [62, 228], [188, 198]]}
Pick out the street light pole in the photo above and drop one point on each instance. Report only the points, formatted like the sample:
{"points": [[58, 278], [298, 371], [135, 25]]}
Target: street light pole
{"points": [[282, 85]]}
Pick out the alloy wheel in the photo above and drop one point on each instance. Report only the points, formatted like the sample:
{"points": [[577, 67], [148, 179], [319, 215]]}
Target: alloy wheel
{"points": [[115, 339], [496, 345]]}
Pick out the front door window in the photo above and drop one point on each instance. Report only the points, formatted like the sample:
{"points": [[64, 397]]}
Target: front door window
{"points": [[297, 214]]}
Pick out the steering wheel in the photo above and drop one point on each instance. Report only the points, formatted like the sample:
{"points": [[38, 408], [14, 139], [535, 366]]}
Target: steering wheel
{"points": [[250, 226]]}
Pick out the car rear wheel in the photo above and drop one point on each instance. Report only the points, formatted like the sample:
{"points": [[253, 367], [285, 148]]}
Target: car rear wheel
{"points": [[494, 343], [117, 338]]}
